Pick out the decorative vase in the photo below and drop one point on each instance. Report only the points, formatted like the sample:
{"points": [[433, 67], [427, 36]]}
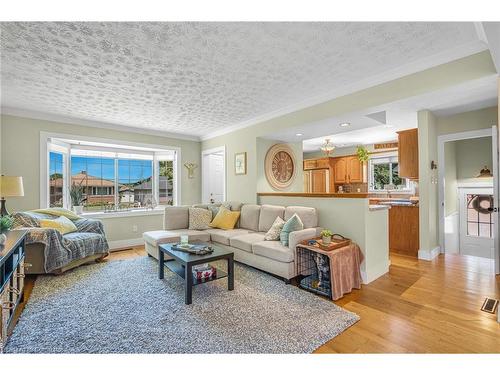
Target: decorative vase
{"points": [[78, 209], [3, 238], [326, 240]]}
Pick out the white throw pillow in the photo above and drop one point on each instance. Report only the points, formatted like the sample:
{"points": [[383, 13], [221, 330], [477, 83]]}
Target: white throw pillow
{"points": [[199, 218], [273, 234]]}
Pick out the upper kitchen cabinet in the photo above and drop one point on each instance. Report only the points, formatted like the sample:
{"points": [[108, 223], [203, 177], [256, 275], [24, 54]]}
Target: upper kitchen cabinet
{"points": [[408, 153], [349, 170]]}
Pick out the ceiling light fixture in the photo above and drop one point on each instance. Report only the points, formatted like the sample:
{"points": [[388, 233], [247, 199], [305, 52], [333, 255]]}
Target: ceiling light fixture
{"points": [[299, 134], [344, 124], [327, 147]]}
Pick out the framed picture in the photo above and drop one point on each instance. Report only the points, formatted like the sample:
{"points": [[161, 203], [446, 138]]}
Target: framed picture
{"points": [[240, 163]]}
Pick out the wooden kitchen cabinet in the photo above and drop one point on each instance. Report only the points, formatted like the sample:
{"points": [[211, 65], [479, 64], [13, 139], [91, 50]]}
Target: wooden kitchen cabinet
{"points": [[320, 181], [340, 171], [349, 169], [408, 153], [404, 230], [355, 170]]}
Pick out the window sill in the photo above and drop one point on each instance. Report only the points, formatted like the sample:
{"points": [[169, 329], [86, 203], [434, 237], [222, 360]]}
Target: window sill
{"points": [[108, 215]]}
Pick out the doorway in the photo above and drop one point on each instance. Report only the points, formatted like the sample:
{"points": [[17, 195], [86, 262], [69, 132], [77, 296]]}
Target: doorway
{"points": [[468, 180], [213, 164]]}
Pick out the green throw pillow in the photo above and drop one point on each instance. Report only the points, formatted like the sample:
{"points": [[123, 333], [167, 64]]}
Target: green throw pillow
{"points": [[293, 224]]}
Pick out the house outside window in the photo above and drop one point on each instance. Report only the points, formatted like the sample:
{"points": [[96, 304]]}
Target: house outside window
{"points": [[112, 177], [384, 174]]}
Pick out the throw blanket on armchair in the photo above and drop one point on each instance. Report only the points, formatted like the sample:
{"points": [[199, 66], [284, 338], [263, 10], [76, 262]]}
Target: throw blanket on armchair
{"points": [[61, 250]]}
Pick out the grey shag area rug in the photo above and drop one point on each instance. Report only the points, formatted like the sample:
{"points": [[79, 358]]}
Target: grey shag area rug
{"points": [[122, 307]]}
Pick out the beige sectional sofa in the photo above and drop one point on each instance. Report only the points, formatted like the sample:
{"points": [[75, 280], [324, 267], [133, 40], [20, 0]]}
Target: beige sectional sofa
{"points": [[247, 239]]}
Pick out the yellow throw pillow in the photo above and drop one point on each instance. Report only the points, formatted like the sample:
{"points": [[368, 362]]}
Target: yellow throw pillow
{"points": [[58, 211], [62, 224], [225, 219]]}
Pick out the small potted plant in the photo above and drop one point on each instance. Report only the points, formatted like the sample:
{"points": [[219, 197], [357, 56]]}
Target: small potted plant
{"points": [[326, 236], [77, 198], [5, 225]]}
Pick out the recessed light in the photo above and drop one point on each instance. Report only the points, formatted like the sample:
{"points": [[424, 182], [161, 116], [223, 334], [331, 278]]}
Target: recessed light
{"points": [[344, 124], [299, 134]]}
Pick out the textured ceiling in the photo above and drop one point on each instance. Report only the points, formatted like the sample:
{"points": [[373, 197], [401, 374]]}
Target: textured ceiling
{"points": [[194, 78]]}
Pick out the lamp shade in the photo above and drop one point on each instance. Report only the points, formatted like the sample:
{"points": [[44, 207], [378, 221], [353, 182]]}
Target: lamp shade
{"points": [[11, 186]]}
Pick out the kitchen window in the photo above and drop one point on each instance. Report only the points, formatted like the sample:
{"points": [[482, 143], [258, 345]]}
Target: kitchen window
{"points": [[112, 177], [384, 174]]}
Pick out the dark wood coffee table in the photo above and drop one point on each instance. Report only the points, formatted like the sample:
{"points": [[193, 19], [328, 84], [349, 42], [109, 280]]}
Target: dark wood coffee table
{"points": [[182, 264]]}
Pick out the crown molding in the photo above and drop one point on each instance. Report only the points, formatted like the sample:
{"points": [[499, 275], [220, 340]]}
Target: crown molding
{"points": [[390, 75], [19, 112]]}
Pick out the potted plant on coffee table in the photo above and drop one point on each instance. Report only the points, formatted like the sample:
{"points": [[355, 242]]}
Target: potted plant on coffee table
{"points": [[326, 236], [77, 198]]}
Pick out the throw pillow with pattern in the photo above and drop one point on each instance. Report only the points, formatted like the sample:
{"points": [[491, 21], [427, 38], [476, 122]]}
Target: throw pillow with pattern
{"points": [[273, 234], [199, 218]]}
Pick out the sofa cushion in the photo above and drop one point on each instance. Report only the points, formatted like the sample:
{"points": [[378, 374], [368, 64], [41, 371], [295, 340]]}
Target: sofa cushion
{"points": [[245, 241], [308, 215], [223, 236], [199, 218], [62, 224], [157, 237], [274, 250], [176, 217], [225, 219], [269, 213], [249, 218]]}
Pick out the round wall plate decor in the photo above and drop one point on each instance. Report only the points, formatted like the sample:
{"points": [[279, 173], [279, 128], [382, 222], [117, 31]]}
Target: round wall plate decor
{"points": [[279, 166]]}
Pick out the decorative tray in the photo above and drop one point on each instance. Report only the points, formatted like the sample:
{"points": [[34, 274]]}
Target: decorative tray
{"points": [[193, 249], [337, 242]]}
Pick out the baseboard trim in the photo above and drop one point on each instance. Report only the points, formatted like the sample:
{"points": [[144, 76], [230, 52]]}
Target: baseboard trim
{"points": [[375, 274], [120, 244], [429, 254]]}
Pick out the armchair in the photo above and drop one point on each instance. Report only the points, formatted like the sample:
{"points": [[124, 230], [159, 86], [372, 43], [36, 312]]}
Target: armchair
{"points": [[50, 252]]}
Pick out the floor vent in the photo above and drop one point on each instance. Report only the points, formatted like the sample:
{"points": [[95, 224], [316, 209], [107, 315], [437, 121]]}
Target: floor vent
{"points": [[490, 305]]}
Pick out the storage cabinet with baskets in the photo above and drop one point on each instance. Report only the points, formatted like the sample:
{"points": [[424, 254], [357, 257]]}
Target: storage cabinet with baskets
{"points": [[11, 280]]}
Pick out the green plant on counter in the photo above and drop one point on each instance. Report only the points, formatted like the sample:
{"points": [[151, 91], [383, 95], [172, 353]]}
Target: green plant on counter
{"points": [[326, 233], [362, 153], [5, 223]]}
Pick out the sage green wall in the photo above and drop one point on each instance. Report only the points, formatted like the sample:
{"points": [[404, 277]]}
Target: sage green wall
{"points": [[20, 148], [263, 145], [243, 188], [472, 156], [450, 175], [427, 147], [467, 121], [463, 161]]}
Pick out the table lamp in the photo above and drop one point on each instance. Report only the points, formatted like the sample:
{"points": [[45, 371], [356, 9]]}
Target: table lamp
{"points": [[10, 186]]}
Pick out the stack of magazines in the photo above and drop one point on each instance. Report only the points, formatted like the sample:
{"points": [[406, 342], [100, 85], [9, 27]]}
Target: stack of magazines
{"points": [[204, 271]]}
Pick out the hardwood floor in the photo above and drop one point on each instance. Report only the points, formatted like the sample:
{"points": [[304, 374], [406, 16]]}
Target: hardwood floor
{"points": [[418, 307]]}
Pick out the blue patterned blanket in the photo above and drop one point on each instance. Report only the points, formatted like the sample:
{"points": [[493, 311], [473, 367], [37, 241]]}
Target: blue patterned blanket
{"points": [[60, 250]]}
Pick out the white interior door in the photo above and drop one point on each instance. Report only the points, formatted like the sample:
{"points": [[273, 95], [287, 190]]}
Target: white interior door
{"points": [[496, 194], [214, 176], [476, 222]]}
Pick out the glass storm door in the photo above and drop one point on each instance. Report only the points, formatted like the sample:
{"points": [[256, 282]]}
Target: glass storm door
{"points": [[477, 222]]}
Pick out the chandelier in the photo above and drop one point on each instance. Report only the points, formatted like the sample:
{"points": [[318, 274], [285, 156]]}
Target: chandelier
{"points": [[327, 147]]}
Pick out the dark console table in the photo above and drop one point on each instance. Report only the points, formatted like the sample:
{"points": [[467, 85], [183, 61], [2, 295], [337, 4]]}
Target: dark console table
{"points": [[11, 280]]}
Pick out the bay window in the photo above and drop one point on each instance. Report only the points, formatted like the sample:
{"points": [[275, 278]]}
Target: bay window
{"points": [[111, 177]]}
